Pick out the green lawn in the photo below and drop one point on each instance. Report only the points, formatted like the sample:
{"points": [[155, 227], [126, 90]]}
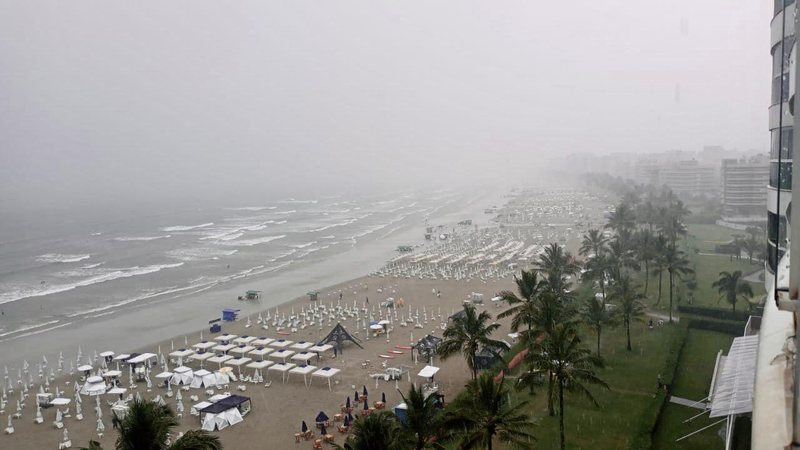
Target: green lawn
{"points": [[706, 237], [633, 380], [692, 381]]}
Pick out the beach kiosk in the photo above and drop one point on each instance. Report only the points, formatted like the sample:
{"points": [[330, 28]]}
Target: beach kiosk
{"points": [[251, 295], [230, 314], [225, 412], [313, 295]]}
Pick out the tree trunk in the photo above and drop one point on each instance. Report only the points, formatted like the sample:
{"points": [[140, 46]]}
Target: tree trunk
{"points": [[646, 276], [550, 407], [599, 329], [670, 296], [561, 413], [660, 274], [628, 331], [603, 287]]}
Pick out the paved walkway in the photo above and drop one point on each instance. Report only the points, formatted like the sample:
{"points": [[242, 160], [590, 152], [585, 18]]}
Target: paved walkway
{"points": [[664, 317], [687, 402]]}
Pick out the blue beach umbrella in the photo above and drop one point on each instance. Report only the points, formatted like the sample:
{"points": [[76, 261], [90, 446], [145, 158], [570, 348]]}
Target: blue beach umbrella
{"points": [[347, 420], [347, 403], [322, 417], [350, 417], [366, 406], [304, 427], [364, 391], [383, 397]]}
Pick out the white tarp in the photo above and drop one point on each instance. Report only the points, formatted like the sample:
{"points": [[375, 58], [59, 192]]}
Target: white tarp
{"points": [[141, 358], [203, 379], [428, 371], [182, 375], [221, 420]]}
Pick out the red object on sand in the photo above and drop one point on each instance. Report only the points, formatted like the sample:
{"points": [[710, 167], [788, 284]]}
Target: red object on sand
{"points": [[396, 352], [284, 333], [403, 347], [387, 356]]}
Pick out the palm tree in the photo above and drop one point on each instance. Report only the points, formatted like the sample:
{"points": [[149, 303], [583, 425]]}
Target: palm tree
{"points": [[571, 365], [630, 306], [622, 220], [467, 334], [485, 411], [557, 264], [595, 270], [752, 245], [620, 257], [422, 416], [731, 286], [645, 252], [660, 247], [596, 315], [377, 431], [594, 243], [523, 307], [147, 426], [677, 265]]}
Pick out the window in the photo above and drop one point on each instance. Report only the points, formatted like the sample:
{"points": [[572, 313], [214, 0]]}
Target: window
{"points": [[776, 88], [780, 178], [779, 7], [772, 231], [787, 44], [786, 144]]}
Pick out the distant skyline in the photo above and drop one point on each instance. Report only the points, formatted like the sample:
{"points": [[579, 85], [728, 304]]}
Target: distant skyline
{"points": [[104, 102]]}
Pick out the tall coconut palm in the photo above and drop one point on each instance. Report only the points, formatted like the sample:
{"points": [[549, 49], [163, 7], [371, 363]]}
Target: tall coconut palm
{"points": [[422, 416], [620, 258], [523, 307], [596, 270], [595, 314], [377, 431], [570, 364], [147, 426], [594, 243], [467, 334], [486, 411], [660, 247], [645, 252], [677, 266], [731, 286], [625, 294], [622, 220], [557, 264]]}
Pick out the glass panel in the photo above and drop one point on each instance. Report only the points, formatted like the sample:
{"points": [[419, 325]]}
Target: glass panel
{"points": [[772, 230], [784, 176], [776, 56], [786, 144], [776, 88]]}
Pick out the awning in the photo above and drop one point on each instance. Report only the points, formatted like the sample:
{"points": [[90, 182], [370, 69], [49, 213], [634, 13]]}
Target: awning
{"points": [[732, 392], [428, 371]]}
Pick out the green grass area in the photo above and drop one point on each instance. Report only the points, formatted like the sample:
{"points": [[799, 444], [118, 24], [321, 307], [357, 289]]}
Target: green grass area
{"points": [[692, 381], [706, 237], [633, 379]]}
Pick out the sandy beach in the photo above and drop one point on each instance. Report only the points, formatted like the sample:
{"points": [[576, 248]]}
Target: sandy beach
{"points": [[279, 409]]}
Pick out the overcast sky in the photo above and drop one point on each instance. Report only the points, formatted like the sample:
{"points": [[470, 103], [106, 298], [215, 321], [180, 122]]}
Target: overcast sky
{"points": [[106, 99]]}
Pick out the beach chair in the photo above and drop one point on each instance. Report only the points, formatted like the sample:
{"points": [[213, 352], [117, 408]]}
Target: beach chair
{"points": [[343, 429], [317, 444], [328, 438]]}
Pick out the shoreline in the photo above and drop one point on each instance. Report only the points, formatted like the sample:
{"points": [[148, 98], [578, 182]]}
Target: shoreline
{"points": [[160, 318]]}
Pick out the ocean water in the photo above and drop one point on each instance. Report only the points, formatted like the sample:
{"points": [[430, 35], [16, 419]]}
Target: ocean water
{"points": [[130, 279]]}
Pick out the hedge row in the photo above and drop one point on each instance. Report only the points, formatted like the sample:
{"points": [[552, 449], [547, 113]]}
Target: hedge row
{"points": [[715, 313], [649, 420], [733, 328]]}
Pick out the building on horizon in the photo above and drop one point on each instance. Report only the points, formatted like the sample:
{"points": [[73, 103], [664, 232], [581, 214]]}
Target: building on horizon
{"points": [[744, 189]]}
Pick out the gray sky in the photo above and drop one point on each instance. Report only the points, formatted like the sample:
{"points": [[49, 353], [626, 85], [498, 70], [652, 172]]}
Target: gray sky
{"points": [[104, 99]]}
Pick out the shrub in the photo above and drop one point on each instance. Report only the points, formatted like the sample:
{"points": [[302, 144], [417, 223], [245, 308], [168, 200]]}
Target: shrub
{"points": [[714, 313]]}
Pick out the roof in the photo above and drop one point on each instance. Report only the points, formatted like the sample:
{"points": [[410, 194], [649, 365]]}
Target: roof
{"points": [[225, 404], [733, 386], [428, 371]]}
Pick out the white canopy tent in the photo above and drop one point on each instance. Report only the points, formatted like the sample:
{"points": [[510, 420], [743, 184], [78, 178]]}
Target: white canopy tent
{"points": [[428, 371], [220, 421], [181, 354], [281, 355], [281, 343], [181, 375], [303, 370], [205, 345], [302, 345], [282, 368], [327, 373], [261, 352], [262, 341], [225, 338], [94, 386], [223, 348], [142, 358], [242, 349], [244, 340], [203, 379]]}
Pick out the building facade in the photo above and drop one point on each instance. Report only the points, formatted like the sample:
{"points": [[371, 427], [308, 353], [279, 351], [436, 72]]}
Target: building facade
{"points": [[779, 194], [744, 189]]}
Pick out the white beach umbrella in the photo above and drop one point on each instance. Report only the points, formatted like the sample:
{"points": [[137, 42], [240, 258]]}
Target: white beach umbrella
{"points": [[100, 427], [66, 434], [59, 416], [78, 411], [10, 427]]}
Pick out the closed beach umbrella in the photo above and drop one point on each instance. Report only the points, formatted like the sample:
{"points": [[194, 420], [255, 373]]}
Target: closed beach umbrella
{"points": [[364, 391], [350, 417], [304, 427], [366, 406], [383, 397], [347, 421], [355, 396], [323, 431], [347, 403]]}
